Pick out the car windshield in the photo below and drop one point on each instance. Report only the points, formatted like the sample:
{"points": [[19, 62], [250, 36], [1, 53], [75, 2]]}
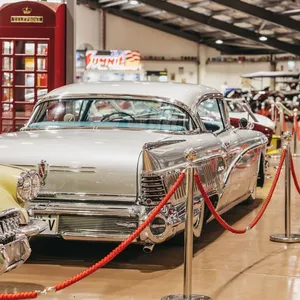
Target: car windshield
{"points": [[235, 106], [118, 113]]}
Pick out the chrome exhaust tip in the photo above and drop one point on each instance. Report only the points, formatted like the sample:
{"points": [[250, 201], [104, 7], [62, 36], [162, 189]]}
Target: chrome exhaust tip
{"points": [[148, 248]]}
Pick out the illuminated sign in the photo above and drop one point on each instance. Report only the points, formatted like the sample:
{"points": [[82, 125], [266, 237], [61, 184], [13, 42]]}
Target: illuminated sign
{"points": [[113, 60], [26, 19]]}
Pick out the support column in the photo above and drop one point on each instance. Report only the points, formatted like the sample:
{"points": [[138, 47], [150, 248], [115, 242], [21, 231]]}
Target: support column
{"points": [[273, 68], [202, 67], [71, 42]]}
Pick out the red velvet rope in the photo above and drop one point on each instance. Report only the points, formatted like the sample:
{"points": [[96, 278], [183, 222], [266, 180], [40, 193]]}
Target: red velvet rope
{"points": [[297, 129], [261, 212], [295, 176], [125, 243], [17, 296], [284, 124], [109, 257]]}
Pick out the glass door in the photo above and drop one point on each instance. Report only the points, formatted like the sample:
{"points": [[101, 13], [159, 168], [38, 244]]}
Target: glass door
{"points": [[23, 80]]}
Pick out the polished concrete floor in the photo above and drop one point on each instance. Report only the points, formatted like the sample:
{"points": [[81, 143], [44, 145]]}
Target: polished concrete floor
{"points": [[226, 266]]}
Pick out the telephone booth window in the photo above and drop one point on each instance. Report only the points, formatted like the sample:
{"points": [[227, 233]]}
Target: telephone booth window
{"points": [[24, 79]]}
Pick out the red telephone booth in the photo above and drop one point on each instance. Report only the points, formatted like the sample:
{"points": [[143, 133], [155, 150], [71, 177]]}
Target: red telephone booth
{"points": [[32, 57]]}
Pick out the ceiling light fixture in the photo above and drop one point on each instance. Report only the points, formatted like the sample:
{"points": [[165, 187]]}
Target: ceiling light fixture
{"points": [[219, 42], [134, 2], [263, 38]]}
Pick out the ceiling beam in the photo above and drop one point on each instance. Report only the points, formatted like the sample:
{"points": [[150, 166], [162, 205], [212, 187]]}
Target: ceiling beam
{"points": [[292, 12], [152, 13], [261, 13], [176, 31], [245, 33], [115, 3], [170, 20], [243, 20], [130, 6]]}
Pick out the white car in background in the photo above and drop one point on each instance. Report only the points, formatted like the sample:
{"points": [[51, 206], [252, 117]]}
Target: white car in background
{"points": [[239, 108]]}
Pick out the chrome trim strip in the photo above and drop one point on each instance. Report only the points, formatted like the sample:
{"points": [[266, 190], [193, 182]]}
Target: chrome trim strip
{"points": [[85, 209], [93, 236], [85, 197], [182, 166], [64, 169], [238, 157]]}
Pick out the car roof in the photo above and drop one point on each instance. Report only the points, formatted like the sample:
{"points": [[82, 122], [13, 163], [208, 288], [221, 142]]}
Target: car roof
{"points": [[185, 93]]}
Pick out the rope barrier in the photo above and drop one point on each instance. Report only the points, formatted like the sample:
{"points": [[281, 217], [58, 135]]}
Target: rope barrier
{"points": [[149, 219], [296, 182], [261, 212], [106, 259], [284, 124], [297, 130], [18, 296]]}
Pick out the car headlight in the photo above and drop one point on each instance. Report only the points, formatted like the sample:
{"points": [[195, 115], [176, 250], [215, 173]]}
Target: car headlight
{"points": [[24, 187], [35, 183]]}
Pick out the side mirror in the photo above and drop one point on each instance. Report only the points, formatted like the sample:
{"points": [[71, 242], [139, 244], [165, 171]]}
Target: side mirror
{"points": [[243, 123]]}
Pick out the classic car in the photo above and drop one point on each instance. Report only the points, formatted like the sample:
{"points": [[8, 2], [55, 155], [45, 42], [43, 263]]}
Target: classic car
{"points": [[240, 108], [114, 149], [285, 89], [17, 186]]}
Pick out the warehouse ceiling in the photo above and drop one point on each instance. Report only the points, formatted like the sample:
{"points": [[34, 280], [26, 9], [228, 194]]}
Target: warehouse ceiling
{"points": [[231, 26]]}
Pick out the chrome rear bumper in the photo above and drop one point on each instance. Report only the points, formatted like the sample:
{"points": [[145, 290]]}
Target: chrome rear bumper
{"points": [[14, 253], [106, 222], [90, 221]]}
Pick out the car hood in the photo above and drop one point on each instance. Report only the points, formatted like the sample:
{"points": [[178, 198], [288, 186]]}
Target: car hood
{"points": [[262, 120], [81, 161]]}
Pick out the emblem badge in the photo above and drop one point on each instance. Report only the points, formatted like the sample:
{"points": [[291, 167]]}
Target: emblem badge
{"points": [[43, 169], [26, 10]]}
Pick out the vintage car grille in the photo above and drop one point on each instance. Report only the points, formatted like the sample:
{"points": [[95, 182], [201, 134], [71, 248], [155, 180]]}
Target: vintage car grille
{"points": [[101, 224], [9, 225], [152, 189]]}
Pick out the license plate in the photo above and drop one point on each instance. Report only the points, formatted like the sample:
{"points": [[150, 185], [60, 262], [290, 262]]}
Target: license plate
{"points": [[52, 224]]}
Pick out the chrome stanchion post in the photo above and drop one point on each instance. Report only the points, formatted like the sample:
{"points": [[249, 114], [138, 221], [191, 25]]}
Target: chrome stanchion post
{"points": [[295, 130], [288, 237], [281, 120], [188, 234], [277, 120], [190, 155], [273, 112]]}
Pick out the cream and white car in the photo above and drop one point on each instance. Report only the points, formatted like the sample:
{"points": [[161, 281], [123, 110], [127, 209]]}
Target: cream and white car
{"points": [[17, 187]]}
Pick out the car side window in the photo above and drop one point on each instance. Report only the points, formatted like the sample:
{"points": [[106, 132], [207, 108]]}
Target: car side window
{"points": [[211, 113]]}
